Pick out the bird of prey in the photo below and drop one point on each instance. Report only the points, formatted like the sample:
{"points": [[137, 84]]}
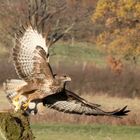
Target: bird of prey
{"points": [[31, 57], [63, 101], [38, 84]]}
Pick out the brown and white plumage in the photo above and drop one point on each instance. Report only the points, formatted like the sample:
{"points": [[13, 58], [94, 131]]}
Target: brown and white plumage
{"points": [[64, 101], [31, 55], [68, 102], [32, 42], [25, 53]]}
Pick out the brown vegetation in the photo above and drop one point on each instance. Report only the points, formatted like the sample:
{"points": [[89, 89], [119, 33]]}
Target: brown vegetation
{"points": [[6, 70], [115, 65], [90, 79], [74, 12]]}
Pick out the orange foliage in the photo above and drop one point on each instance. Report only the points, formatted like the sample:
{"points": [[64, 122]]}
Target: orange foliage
{"points": [[121, 22], [115, 65]]}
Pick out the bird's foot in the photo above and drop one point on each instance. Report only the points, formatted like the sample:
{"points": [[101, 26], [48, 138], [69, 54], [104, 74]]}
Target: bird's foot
{"points": [[16, 104], [16, 98], [25, 105]]}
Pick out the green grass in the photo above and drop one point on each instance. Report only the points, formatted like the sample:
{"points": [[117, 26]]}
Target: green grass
{"points": [[85, 132], [78, 52]]}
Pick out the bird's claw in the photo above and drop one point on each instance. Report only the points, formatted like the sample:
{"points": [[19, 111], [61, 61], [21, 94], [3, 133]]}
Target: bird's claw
{"points": [[15, 102], [16, 98], [25, 105]]}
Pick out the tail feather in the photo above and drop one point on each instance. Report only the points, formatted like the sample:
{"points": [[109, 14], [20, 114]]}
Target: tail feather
{"points": [[120, 112], [11, 86], [116, 113]]}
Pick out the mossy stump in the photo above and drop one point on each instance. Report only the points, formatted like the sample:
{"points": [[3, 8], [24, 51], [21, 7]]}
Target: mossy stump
{"points": [[15, 126]]}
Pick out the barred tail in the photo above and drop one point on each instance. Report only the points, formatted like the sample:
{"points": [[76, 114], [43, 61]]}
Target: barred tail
{"points": [[11, 86]]}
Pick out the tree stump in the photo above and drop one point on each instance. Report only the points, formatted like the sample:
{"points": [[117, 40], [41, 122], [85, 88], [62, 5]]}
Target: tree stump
{"points": [[15, 126]]}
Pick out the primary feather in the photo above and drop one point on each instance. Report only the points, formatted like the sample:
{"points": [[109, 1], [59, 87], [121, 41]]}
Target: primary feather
{"points": [[24, 52], [68, 102]]}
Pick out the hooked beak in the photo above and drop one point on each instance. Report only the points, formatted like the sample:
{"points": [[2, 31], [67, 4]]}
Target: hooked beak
{"points": [[68, 79]]}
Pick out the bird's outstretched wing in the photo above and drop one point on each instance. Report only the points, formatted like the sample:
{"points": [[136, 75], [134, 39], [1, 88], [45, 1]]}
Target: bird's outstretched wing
{"points": [[30, 53], [30, 62], [69, 102], [35, 36]]}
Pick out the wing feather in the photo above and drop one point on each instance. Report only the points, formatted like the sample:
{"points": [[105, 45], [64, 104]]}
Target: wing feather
{"points": [[26, 56], [69, 102], [34, 32], [24, 52], [41, 66]]}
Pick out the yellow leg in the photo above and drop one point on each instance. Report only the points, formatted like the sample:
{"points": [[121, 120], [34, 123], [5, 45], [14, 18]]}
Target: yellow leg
{"points": [[15, 102], [16, 98], [26, 104]]}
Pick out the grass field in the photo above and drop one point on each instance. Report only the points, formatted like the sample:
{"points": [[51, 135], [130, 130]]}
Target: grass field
{"points": [[85, 132], [81, 52]]}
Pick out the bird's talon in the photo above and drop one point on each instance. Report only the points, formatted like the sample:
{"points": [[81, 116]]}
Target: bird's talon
{"points": [[25, 105]]}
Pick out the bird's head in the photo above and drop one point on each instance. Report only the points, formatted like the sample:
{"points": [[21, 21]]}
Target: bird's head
{"points": [[63, 78]]}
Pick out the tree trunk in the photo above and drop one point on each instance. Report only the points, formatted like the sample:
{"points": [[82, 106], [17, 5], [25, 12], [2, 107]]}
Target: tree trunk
{"points": [[15, 126]]}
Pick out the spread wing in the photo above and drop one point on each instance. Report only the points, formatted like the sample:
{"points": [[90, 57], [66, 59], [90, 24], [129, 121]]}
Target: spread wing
{"points": [[30, 53], [35, 36], [30, 59], [69, 102]]}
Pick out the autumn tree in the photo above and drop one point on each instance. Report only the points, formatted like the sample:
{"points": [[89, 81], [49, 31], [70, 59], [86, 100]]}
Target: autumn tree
{"points": [[14, 13], [120, 21]]}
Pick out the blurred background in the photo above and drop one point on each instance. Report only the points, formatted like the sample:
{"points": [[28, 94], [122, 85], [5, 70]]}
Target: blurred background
{"points": [[100, 53]]}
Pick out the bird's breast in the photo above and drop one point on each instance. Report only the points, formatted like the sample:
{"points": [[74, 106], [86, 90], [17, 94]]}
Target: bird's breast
{"points": [[46, 87]]}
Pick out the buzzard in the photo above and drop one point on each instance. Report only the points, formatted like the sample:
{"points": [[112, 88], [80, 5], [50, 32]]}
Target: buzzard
{"points": [[38, 84], [31, 57]]}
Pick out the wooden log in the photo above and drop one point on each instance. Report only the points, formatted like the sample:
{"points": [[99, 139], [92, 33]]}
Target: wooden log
{"points": [[15, 126]]}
